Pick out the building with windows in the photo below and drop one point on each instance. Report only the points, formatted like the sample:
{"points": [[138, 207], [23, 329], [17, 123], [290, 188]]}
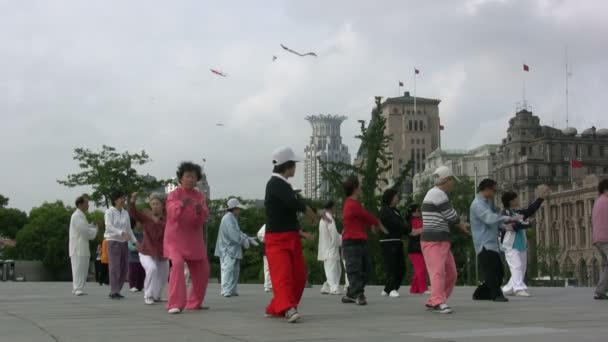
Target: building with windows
{"points": [[476, 163], [326, 145], [564, 221], [414, 125]]}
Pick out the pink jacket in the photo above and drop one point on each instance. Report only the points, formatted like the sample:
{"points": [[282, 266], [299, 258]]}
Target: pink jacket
{"points": [[600, 219], [184, 236]]}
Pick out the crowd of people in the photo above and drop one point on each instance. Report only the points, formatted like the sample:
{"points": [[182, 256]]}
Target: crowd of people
{"points": [[154, 246]]}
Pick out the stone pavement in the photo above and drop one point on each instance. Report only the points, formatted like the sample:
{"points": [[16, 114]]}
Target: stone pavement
{"points": [[36, 312]]}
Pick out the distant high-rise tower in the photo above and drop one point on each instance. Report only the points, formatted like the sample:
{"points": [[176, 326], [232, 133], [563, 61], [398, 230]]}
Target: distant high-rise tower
{"points": [[325, 144]]}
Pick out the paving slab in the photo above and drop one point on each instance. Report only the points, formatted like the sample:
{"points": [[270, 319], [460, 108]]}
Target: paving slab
{"points": [[47, 312]]}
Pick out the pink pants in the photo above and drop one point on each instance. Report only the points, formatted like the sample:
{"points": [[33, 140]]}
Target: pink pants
{"points": [[442, 270], [199, 274]]}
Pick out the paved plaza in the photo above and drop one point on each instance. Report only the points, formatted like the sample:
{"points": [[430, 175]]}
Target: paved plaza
{"points": [[41, 312]]}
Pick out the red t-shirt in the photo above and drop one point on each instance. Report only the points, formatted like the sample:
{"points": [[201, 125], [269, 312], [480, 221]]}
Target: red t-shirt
{"points": [[356, 218]]}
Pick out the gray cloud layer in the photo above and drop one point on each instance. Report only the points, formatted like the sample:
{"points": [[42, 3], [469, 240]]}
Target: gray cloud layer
{"points": [[135, 75]]}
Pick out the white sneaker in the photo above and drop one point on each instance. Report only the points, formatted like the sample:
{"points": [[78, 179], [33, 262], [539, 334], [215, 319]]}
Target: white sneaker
{"points": [[133, 289], [508, 292], [442, 309], [227, 295], [522, 293], [394, 294], [267, 290], [174, 311], [78, 293], [325, 292], [384, 294], [427, 292], [336, 293], [149, 301]]}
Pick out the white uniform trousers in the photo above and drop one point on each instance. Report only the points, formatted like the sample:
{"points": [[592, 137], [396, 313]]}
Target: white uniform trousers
{"points": [[80, 271], [157, 275], [267, 279], [333, 273], [518, 261]]}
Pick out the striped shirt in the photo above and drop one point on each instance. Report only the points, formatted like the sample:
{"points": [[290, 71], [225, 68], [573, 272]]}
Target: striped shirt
{"points": [[437, 215]]}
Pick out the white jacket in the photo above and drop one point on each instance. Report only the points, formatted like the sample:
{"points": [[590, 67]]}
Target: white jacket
{"points": [[329, 240], [81, 232], [117, 222]]}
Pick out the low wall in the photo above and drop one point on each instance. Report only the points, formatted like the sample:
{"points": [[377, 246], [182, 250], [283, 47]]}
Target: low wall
{"points": [[31, 270]]}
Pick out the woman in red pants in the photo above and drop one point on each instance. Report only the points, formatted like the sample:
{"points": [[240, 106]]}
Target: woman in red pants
{"points": [[283, 238], [414, 217], [184, 241]]}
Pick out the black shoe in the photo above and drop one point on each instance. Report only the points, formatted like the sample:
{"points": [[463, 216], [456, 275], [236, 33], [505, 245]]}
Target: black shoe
{"points": [[120, 296], [348, 300], [599, 296], [501, 299], [115, 296], [361, 300]]}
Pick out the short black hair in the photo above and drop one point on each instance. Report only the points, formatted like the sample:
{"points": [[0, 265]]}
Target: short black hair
{"points": [[329, 205], [116, 194], [506, 199], [189, 167], [280, 169], [410, 211], [350, 184], [80, 199], [486, 184], [388, 195], [602, 186]]}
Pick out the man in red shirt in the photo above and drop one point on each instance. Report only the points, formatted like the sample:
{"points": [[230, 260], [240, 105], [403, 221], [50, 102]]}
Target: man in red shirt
{"points": [[354, 242]]}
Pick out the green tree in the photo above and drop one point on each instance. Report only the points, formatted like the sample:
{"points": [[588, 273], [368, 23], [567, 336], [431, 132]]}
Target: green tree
{"points": [[108, 170], [11, 221], [462, 244], [372, 171], [3, 201], [45, 237]]}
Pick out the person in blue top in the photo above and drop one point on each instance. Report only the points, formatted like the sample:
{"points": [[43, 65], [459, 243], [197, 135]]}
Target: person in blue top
{"points": [[229, 248], [514, 243], [486, 223]]}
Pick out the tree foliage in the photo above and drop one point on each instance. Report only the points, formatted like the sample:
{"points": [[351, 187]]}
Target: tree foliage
{"points": [[45, 237], [11, 221], [108, 170], [3, 201]]}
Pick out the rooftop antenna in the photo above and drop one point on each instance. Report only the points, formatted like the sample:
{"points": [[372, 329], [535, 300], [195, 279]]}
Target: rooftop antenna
{"points": [[568, 75]]}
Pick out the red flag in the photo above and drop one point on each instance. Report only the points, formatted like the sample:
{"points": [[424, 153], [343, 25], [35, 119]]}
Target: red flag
{"points": [[416, 71], [576, 164], [400, 84], [526, 67]]}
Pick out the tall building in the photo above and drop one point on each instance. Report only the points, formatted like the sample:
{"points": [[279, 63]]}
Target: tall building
{"points": [[564, 221], [532, 154], [478, 162], [325, 144], [415, 128]]}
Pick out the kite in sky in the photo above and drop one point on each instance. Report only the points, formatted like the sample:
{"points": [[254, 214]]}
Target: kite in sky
{"points": [[218, 73], [219, 124], [297, 53], [274, 58]]}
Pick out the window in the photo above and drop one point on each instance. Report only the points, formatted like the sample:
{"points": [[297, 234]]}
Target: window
{"points": [[576, 150], [409, 125], [417, 141], [415, 125], [412, 141], [422, 141], [412, 150], [590, 150], [536, 171], [522, 151], [421, 125], [591, 170], [565, 172], [553, 171], [602, 151]]}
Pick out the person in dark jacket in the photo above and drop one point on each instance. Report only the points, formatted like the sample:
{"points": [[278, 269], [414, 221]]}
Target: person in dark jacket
{"points": [[283, 237], [391, 243], [419, 282], [514, 242]]}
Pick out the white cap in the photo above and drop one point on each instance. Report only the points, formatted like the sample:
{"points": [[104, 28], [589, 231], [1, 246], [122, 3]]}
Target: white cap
{"points": [[444, 172], [234, 203], [282, 155]]}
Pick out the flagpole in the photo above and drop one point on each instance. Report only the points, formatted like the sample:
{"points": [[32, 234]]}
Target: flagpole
{"points": [[415, 91], [524, 105]]}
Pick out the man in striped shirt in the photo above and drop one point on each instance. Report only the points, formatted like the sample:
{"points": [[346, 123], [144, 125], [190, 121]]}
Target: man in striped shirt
{"points": [[437, 216]]}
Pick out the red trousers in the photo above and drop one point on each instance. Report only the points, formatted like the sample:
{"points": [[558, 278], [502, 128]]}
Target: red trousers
{"points": [[419, 284], [199, 275], [287, 271]]}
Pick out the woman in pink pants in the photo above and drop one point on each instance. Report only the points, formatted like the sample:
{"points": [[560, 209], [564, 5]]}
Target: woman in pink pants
{"points": [[184, 241]]}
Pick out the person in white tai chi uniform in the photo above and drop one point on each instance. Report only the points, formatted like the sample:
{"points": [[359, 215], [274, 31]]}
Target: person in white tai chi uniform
{"points": [[267, 279], [330, 242], [81, 232]]}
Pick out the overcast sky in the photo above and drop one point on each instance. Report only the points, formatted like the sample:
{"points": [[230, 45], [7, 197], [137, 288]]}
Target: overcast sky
{"points": [[135, 75]]}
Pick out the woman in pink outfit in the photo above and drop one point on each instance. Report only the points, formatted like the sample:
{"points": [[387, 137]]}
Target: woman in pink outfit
{"points": [[184, 241]]}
